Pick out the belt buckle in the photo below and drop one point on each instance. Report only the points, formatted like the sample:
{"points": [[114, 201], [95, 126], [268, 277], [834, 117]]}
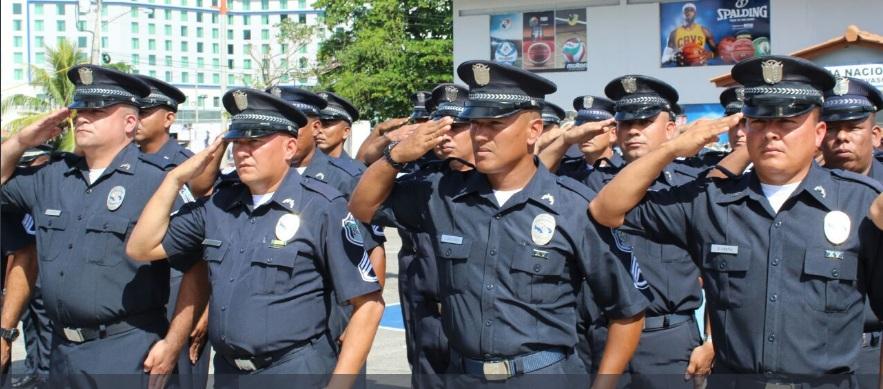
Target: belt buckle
{"points": [[496, 371], [778, 385], [74, 335], [245, 364]]}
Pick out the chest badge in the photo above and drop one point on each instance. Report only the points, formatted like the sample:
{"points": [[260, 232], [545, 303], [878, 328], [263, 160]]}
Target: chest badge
{"points": [[115, 197], [837, 226], [287, 226], [542, 229]]}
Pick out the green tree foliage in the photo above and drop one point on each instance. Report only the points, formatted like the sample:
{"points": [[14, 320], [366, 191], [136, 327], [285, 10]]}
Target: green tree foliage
{"points": [[381, 51]]}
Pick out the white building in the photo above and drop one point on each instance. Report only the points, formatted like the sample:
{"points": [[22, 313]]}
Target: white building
{"points": [[178, 41]]}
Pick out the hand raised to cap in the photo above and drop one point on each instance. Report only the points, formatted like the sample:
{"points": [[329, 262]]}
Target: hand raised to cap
{"points": [[389, 125], [425, 137], [699, 133], [195, 165], [586, 131], [399, 134], [45, 128]]}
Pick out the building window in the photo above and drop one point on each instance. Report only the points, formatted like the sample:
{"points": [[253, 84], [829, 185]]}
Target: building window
{"points": [[183, 30], [168, 76], [246, 5], [81, 25], [151, 44], [185, 62], [20, 75], [133, 10], [184, 46], [60, 25], [200, 78], [38, 9], [216, 63], [302, 49], [265, 48], [216, 101], [229, 64], [151, 28], [185, 77], [216, 79], [59, 9], [81, 42], [200, 62], [265, 19], [38, 25], [301, 4], [168, 45], [229, 49], [168, 29], [104, 26], [199, 47], [184, 3], [135, 43], [38, 41], [134, 27], [216, 48], [104, 10], [199, 3], [231, 80], [136, 59], [16, 9], [199, 17], [16, 25], [265, 4], [151, 60], [18, 58], [302, 62], [215, 33], [230, 34], [246, 20], [199, 32], [246, 64], [40, 58], [152, 73], [17, 41], [265, 34], [302, 18], [59, 40], [168, 14], [104, 41], [247, 48], [214, 18], [168, 60], [283, 4], [183, 16]]}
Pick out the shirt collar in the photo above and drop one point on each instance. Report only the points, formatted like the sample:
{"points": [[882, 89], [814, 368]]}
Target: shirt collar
{"points": [[817, 184], [542, 189], [288, 195], [318, 167], [126, 162]]}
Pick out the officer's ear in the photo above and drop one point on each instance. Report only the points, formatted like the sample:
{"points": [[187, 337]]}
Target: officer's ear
{"points": [[170, 118], [132, 118], [289, 148], [821, 127], [671, 124], [876, 131], [346, 130], [535, 126]]}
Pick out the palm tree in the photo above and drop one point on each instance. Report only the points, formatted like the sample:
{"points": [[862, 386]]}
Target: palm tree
{"points": [[57, 91]]}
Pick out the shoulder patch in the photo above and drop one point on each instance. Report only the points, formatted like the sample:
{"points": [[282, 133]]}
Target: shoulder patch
{"points": [[576, 187], [314, 185], [846, 175]]}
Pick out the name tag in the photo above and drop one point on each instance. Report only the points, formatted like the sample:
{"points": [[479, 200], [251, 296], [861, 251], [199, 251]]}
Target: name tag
{"points": [[451, 239], [52, 212], [833, 254], [724, 249], [541, 254], [277, 244], [212, 243]]}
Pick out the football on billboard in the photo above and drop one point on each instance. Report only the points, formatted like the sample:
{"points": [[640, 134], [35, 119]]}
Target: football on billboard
{"points": [[573, 50]]}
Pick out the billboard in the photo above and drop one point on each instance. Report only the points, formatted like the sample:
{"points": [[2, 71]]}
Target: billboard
{"points": [[540, 41], [713, 32]]}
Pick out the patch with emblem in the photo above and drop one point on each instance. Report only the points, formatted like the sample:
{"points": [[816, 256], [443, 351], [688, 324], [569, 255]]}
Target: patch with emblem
{"points": [[842, 86], [240, 98], [115, 197], [637, 277], [287, 226], [772, 71], [629, 84], [85, 75], [366, 269], [837, 227], [481, 73], [620, 240], [542, 229], [377, 230], [351, 228]]}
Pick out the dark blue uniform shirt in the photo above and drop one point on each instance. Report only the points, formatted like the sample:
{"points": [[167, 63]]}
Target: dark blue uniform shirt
{"points": [[269, 290], [579, 169], [782, 296], [170, 155], [670, 278], [509, 275], [86, 277]]}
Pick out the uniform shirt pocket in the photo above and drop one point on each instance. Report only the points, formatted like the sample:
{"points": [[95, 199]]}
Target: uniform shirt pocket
{"points": [[52, 238], [537, 274], [453, 252], [213, 251], [105, 239], [726, 267], [272, 269], [830, 279]]}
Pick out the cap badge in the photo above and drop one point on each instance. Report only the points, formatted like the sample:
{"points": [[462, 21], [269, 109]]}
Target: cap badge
{"points": [[740, 94], [629, 84], [451, 93], [276, 91], [772, 71], [85, 75], [241, 100], [421, 98], [588, 101], [482, 74], [842, 86]]}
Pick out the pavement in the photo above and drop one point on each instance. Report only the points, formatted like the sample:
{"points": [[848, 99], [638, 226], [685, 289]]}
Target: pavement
{"points": [[387, 361]]}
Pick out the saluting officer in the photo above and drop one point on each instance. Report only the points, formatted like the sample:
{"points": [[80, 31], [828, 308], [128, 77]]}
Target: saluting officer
{"points": [[275, 242], [337, 118], [108, 311], [597, 149], [850, 112], [787, 251], [511, 253]]}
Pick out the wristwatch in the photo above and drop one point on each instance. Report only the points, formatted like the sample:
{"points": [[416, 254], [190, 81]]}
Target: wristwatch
{"points": [[388, 157], [10, 334]]}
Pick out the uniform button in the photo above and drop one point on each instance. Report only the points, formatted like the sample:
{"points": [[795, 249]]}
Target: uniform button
{"points": [[70, 246], [771, 338], [251, 220], [835, 273], [537, 268], [61, 274], [241, 251], [224, 308], [489, 286], [89, 190], [231, 279], [775, 262], [778, 224], [448, 252], [774, 297], [498, 217], [79, 217], [493, 252], [487, 323], [723, 265]]}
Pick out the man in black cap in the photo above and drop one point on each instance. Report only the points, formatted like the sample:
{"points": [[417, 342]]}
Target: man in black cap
{"points": [[337, 119], [421, 112], [596, 148], [107, 310], [275, 242], [511, 253], [787, 251], [850, 111]]}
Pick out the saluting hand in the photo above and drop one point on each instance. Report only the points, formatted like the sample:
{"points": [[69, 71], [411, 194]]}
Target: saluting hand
{"points": [[195, 165], [586, 131], [700, 133], [399, 134], [426, 136], [42, 130], [389, 125]]}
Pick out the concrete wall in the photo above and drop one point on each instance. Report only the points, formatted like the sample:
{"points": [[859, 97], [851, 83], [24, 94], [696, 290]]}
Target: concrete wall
{"points": [[624, 38]]}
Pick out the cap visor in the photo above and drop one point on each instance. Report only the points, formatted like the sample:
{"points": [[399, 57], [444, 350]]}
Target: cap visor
{"points": [[844, 115], [636, 113], [483, 112], [776, 111]]}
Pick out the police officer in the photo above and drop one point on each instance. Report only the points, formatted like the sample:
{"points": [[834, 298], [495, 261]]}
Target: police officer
{"points": [[274, 242], [596, 151], [850, 111], [107, 310], [511, 253], [158, 112], [418, 279], [786, 251], [337, 119], [421, 101]]}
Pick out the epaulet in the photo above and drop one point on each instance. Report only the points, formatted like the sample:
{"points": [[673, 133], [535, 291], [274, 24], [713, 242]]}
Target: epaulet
{"points": [[327, 191], [349, 167], [847, 175], [576, 187]]}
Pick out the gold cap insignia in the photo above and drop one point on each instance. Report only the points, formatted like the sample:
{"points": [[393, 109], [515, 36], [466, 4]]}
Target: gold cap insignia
{"points": [[451, 93], [842, 86], [629, 84], [588, 101], [740, 94], [241, 100], [772, 71], [482, 74], [276, 91], [85, 75]]}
